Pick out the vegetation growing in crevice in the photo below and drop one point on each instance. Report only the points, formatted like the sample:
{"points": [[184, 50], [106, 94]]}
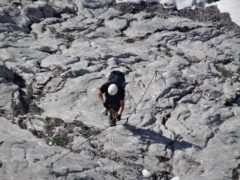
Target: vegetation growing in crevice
{"points": [[60, 133], [56, 131]]}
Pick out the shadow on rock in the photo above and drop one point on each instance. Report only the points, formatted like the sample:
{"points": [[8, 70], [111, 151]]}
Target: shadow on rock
{"points": [[147, 136]]}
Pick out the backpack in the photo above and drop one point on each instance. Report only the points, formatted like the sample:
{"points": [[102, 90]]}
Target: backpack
{"points": [[118, 78]]}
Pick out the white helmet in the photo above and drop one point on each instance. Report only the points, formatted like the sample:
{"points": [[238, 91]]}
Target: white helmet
{"points": [[112, 89]]}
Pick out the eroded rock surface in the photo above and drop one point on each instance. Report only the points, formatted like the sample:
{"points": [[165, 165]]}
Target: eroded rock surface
{"points": [[55, 54]]}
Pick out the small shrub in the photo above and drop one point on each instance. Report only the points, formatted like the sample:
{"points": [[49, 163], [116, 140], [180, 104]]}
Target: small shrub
{"points": [[56, 139]]}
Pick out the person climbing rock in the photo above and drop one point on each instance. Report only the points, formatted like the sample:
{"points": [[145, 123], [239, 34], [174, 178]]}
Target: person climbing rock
{"points": [[114, 94]]}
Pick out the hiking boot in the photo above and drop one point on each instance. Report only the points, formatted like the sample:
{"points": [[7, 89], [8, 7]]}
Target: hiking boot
{"points": [[113, 123], [118, 118]]}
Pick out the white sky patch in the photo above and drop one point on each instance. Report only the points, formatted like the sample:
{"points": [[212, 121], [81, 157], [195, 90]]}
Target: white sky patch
{"points": [[179, 4], [230, 6]]}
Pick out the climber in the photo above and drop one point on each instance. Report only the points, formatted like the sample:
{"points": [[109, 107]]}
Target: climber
{"points": [[114, 93]]}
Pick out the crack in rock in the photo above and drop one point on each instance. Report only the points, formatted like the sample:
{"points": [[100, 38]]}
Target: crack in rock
{"points": [[10, 76], [165, 119], [169, 147], [208, 138], [1, 164], [67, 172], [19, 103], [236, 173], [128, 25]]}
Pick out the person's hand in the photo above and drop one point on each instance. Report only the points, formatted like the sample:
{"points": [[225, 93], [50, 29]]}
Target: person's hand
{"points": [[119, 117], [106, 105]]}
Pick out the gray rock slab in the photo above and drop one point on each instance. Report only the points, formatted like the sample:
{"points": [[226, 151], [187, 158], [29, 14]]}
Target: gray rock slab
{"points": [[182, 93], [23, 152]]}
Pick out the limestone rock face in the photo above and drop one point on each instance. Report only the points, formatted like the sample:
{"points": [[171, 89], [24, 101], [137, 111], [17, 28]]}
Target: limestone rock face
{"points": [[54, 55]]}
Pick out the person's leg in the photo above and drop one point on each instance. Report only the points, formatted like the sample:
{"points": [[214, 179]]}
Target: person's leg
{"points": [[114, 114], [112, 118]]}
